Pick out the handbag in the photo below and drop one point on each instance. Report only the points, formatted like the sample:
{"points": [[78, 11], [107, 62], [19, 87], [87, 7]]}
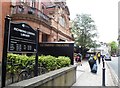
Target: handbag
{"points": [[94, 68]]}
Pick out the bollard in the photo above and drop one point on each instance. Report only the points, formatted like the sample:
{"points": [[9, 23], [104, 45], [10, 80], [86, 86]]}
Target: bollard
{"points": [[103, 75]]}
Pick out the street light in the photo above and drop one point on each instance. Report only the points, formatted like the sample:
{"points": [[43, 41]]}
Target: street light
{"points": [[103, 75]]}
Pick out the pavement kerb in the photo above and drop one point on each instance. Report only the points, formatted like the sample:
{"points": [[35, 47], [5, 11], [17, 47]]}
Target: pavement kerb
{"points": [[114, 76]]}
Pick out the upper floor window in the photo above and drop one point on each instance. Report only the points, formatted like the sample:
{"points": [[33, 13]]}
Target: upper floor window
{"points": [[32, 3], [42, 9], [39, 5], [22, 1], [62, 21]]}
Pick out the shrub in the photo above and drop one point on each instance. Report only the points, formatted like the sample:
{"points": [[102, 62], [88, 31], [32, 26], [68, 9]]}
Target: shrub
{"points": [[63, 61], [49, 62], [19, 61]]}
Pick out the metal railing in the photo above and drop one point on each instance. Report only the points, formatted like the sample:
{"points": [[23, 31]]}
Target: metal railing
{"points": [[27, 10]]}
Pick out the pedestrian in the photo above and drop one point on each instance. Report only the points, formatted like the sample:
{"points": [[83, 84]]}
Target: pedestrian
{"points": [[91, 61], [94, 68], [79, 58], [99, 57]]}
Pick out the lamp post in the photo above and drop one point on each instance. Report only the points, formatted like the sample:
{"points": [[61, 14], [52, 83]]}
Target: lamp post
{"points": [[83, 45], [103, 70]]}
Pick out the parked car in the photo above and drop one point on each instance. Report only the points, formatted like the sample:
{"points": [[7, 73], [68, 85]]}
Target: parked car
{"points": [[107, 57]]}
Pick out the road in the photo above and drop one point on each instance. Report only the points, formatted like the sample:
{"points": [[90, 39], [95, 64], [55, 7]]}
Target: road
{"points": [[114, 64]]}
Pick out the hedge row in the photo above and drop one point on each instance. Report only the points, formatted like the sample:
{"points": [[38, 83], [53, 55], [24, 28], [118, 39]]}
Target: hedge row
{"points": [[49, 62]]}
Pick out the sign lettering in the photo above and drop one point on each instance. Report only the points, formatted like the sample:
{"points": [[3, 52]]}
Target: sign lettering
{"points": [[22, 38]]}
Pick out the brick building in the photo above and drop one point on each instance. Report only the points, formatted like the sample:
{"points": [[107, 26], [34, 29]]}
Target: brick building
{"points": [[51, 18]]}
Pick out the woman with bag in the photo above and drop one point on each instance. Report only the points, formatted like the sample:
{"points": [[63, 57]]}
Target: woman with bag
{"points": [[92, 63], [94, 68]]}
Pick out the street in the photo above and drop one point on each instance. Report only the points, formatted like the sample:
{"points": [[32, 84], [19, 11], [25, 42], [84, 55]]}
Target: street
{"points": [[114, 64]]}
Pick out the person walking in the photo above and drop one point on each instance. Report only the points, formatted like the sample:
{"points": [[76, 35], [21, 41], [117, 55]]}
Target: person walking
{"points": [[99, 57], [79, 58], [94, 68], [92, 63]]}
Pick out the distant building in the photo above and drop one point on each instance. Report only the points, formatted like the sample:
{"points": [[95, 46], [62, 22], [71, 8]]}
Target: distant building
{"points": [[51, 18], [103, 49]]}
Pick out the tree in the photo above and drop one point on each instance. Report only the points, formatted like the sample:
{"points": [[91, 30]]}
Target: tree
{"points": [[114, 47], [84, 31]]}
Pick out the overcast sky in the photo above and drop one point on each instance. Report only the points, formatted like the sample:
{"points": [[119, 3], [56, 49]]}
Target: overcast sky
{"points": [[103, 12]]}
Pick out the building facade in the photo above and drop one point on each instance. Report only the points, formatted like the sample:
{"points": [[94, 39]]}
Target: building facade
{"points": [[119, 42], [119, 28], [50, 18]]}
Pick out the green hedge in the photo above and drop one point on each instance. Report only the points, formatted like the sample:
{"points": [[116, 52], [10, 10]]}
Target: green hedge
{"points": [[49, 62], [62, 61]]}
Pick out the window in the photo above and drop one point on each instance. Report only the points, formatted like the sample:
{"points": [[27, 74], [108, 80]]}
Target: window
{"points": [[42, 10], [13, 2], [62, 21], [32, 3], [39, 5], [44, 37], [22, 1], [20, 9]]}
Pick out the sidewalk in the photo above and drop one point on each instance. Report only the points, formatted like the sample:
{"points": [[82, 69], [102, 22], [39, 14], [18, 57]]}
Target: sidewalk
{"points": [[84, 77]]}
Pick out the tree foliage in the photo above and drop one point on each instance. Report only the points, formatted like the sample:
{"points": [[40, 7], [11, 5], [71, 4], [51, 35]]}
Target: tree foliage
{"points": [[113, 46], [84, 31]]}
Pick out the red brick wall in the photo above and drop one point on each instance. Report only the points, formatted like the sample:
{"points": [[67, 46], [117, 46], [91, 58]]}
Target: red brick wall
{"points": [[5, 10]]}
